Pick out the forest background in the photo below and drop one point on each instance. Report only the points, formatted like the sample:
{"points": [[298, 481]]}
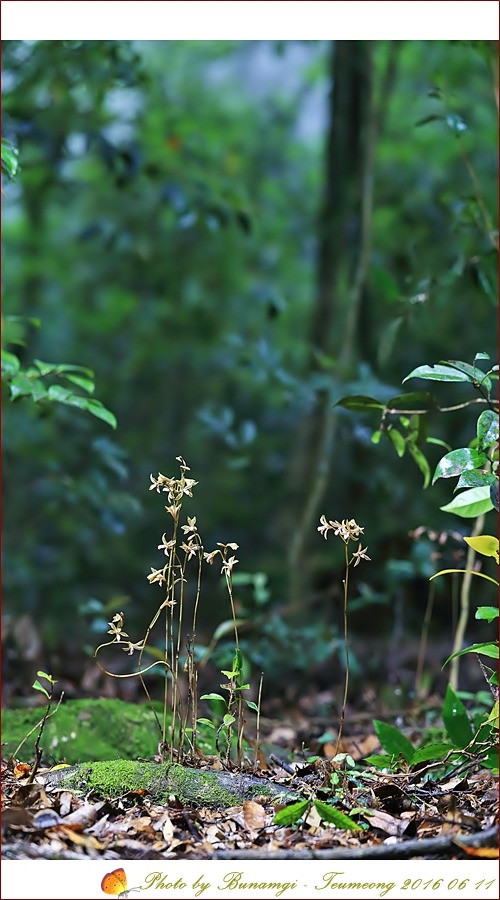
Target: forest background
{"points": [[232, 236]]}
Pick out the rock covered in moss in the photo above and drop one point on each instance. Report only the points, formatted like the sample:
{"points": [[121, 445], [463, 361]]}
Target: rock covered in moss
{"points": [[202, 787]]}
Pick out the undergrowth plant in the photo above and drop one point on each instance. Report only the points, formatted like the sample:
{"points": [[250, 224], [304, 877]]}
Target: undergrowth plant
{"points": [[183, 548], [403, 421], [49, 694], [348, 530]]}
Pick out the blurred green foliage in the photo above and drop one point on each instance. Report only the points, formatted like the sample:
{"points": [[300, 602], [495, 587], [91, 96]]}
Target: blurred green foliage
{"points": [[162, 229]]}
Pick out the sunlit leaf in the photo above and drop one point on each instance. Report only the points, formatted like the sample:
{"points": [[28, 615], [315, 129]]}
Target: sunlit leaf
{"points": [[489, 613], [486, 544], [458, 461], [487, 428], [291, 814], [437, 373], [470, 503], [336, 817]]}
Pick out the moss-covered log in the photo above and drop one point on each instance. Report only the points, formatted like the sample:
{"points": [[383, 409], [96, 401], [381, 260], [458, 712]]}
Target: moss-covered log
{"points": [[202, 787]]}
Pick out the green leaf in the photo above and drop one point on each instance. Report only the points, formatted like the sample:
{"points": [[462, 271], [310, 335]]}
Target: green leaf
{"points": [[212, 697], [10, 363], [228, 720], [474, 375], [437, 373], [421, 462], [84, 383], [396, 439], [489, 649], [337, 818], [393, 740], [471, 503], [481, 356], [431, 751], [207, 722], [380, 761], [38, 687], [252, 705], [487, 428], [359, 402], [20, 385], [375, 438], [489, 613], [10, 158], [494, 494], [412, 400], [458, 461], [475, 478], [456, 720], [485, 544], [44, 675], [291, 814]]}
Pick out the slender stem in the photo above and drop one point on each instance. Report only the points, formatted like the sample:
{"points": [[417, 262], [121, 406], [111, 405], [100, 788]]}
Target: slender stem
{"points": [[464, 604], [346, 648]]}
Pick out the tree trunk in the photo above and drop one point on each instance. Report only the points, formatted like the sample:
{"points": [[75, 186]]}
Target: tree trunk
{"points": [[342, 255]]}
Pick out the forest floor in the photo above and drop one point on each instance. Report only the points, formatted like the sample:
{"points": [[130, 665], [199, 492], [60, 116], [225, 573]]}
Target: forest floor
{"points": [[419, 812]]}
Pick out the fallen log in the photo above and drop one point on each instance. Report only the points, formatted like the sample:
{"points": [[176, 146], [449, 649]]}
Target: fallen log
{"points": [[202, 787]]}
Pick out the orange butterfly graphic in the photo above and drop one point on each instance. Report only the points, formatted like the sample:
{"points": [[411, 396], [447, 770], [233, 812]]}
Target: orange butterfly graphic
{"points": [[116, 883]]}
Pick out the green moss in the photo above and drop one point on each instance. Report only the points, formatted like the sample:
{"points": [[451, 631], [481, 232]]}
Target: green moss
{"points": [[112, 779], [86, 730]]}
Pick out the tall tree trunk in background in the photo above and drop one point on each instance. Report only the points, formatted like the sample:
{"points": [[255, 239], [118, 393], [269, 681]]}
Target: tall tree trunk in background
{"points": [[342, 258]]}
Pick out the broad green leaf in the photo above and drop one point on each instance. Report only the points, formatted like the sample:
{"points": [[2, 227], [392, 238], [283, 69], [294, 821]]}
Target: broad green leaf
{"points": [[84, 383], [429, 752], [489, 613], [456, 720], [462, 571], [380, 761], [474, 375], [412, 400], [10, 160], [337, 818], [487, 428], [396, 439], [212, 697], [207, 722], [475, 478], [10, 363], [486, 544], [252, 705], [375, 438], [458, 461], [228, 720], [481, 356], [470, 504], [393, 741], [291, 814], [359, 402], [20, 385], [489, 649], [493, 717], [421, 462], [437, 373]]}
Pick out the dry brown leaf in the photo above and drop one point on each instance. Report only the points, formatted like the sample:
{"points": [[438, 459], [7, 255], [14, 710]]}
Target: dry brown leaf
{"points": [[382, 820], [254, 815]]}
